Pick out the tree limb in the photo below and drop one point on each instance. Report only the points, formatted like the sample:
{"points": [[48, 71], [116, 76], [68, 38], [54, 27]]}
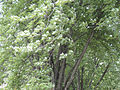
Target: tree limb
{"points": [[78, 62], [82, 77], [78, 87], [102, 75], [61, 75]]}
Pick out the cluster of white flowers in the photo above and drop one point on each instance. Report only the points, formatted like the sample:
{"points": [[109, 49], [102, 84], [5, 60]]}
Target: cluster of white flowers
{"points": [[16, 18], [38, 63], [37, 29], [62, 56], [24, 33], [27, 48], [70, 52], [32, 6]]}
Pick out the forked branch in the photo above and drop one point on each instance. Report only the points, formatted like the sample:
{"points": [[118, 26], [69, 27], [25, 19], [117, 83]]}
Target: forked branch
{"points": [[78, 62]]}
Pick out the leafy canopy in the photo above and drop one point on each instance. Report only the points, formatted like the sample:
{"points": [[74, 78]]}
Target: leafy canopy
{"points": [[32, 32]]}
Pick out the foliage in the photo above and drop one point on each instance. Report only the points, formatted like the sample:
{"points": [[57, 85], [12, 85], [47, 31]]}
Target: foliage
{"points": [[53, 43]]}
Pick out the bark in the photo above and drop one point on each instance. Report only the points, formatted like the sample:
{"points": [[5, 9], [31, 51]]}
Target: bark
{"points": [[61, 75], [51, 62], [82, 78], [78, 88], [78, 62], [56, 73], [59, 68], [73, 86], [66, 79]]}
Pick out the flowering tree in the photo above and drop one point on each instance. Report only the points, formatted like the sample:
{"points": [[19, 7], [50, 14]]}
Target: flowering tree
{"points": [[60, 44]]}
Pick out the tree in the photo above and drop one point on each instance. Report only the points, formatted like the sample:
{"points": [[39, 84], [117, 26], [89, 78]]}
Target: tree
{"points": [[60, 44]]}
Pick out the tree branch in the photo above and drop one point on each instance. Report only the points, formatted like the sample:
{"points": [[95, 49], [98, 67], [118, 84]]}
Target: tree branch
{"points": [[78, 88], [96, 66], [82, 77], [61, 75], [78, 62], [102, 75]]}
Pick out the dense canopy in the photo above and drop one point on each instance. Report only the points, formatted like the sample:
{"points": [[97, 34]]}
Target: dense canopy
{"points": [[60, 44]]}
